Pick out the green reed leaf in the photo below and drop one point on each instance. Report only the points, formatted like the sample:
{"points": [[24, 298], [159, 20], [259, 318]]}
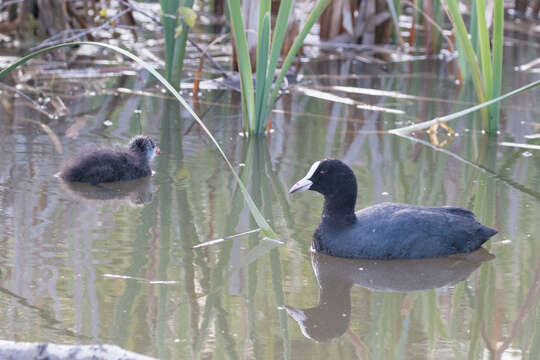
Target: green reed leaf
{"points": [[244, 63]]}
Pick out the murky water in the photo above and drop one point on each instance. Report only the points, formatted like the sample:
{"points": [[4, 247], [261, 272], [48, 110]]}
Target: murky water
{"points": [[118, 264]]}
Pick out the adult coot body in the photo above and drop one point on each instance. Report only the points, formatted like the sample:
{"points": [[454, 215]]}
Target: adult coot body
{"points": [[109, 165], [386, 230]]}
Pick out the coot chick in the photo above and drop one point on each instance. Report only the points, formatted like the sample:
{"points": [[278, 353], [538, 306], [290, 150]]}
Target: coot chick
{"points": [[109, 165], [386, 230]]}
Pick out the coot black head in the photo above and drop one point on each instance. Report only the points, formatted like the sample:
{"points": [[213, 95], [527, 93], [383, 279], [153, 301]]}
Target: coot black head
{"points": [[336, 181], [142, 144]]}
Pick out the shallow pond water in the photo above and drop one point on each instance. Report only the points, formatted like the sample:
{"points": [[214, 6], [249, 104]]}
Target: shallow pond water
{"points": [[120, 264]]}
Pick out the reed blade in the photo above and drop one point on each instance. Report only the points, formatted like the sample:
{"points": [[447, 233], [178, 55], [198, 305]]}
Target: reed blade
{"points": [[263, 45], [244, 63], [312, 18], [485, 51], [168, 8], [498, 39], [469, 54], [395, 20], [473, 26], [280, 29], [179, 51]]}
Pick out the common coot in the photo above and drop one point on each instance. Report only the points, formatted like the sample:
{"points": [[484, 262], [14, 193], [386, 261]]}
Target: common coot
{"points": [[386, 230], [109, 165]]}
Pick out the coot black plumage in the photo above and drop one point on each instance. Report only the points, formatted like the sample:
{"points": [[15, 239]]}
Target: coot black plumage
{"points": [[109, 165], [386, 230]]}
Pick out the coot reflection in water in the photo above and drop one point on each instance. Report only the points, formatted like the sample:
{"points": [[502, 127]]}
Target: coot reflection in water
{"points": [[136, 192], [336, 276]]}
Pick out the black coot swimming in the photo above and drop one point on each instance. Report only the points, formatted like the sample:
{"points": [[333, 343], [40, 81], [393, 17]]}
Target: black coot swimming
{"points": [[386, 230], [109, 165]]}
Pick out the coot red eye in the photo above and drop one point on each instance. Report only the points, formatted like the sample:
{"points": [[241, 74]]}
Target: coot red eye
{"points": [[322, 172]]}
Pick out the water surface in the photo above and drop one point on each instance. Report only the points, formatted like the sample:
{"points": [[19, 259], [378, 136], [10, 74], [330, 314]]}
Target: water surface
{"points": [[118, 265]]}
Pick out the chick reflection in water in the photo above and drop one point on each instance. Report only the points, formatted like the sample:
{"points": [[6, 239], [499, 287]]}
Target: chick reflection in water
{"points": [[136, 192], [336, 276]]}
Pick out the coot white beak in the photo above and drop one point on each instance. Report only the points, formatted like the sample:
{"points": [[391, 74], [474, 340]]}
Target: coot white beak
{"points": [[301, 185], [305, 183]]}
